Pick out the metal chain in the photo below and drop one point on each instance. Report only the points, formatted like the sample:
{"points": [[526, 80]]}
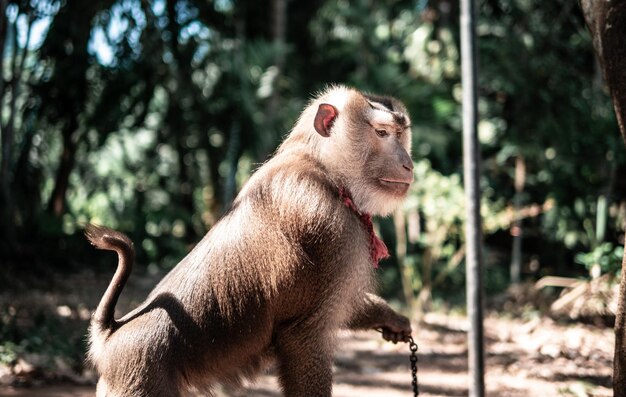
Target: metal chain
{"points": [[413, 358]]}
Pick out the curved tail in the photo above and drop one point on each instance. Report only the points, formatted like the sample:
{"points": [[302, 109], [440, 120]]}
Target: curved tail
{"points": [[108, 239]]}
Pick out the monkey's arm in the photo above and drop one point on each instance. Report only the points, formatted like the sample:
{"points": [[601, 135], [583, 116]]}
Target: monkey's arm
{"points": [[375, 313]]}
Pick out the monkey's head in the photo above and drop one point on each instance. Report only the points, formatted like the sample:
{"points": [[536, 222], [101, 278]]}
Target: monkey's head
{"points": [[365, 141]]}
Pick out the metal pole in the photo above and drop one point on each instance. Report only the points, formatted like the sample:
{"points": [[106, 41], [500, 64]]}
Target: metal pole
{"points": [[471, 169]]}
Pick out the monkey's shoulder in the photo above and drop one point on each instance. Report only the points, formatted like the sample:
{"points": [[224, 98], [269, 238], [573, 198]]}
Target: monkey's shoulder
{"points": [[291, 174], [294, 185]]}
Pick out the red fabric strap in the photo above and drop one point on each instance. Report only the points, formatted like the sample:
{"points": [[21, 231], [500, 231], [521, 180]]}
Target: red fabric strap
{"points": [[378, 249]]}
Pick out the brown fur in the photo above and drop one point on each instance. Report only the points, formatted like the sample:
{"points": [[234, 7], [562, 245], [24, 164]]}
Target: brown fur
{"points": [[275, 278]]}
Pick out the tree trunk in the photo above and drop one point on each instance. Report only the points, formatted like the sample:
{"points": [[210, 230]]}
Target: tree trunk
{"points": [[186, 183], [232, 159], [6, 130], [516, 229], [399, 223], [27, 178], [279, 28], [57, 202], [619, 359], [607, 22], [3, 31], [215, 158], [424, 299]]}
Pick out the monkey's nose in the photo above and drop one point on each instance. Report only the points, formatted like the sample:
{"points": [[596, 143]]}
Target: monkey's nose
{"points": [[407, 163]]}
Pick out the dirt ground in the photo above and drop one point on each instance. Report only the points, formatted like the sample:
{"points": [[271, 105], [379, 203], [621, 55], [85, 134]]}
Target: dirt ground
{"points": [[523, 358], [534, 356]]}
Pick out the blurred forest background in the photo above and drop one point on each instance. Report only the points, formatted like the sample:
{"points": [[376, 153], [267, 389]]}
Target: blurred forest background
{"points": [[148, 116]]}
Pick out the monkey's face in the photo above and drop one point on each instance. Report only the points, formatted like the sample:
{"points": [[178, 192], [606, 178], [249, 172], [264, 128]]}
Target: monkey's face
{"points": [[387, 131], [368, 141], [387, 168]]}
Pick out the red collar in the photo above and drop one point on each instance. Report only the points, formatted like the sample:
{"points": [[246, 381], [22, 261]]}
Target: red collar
{"points": [[378, 249]]}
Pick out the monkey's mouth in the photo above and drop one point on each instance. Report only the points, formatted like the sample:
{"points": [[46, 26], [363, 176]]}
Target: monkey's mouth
{"points": [[397, 185]]}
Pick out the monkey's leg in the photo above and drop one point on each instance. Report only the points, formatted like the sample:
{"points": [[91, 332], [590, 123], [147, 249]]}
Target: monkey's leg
{"points": [[305, 362], [375, 313]]}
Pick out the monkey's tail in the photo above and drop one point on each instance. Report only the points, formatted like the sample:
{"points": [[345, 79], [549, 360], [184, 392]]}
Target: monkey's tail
{"points": [[108, 239]]}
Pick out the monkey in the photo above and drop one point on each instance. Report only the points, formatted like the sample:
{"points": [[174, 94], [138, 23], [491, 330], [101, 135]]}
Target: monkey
{"points": [[289, 264]]}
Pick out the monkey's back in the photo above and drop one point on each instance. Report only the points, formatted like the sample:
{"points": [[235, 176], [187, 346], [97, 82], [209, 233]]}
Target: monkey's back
{"points": [[288, 254]]}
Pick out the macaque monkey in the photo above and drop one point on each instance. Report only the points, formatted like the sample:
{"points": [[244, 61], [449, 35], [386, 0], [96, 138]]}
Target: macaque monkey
{"points": [[289, 264]]}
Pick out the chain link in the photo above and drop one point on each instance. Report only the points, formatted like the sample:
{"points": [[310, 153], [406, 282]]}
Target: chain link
{"points": [[413, 358]]}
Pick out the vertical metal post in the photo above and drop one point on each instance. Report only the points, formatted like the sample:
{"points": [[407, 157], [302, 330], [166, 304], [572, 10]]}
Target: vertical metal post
{"points": [[471, 168]]}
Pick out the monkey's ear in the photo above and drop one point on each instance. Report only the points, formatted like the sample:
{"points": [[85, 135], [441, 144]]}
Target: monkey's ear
{"points": [[324, 119]]}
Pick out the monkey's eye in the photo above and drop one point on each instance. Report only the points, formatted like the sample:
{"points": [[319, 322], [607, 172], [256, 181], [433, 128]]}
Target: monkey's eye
{"points": [[381, 133]]}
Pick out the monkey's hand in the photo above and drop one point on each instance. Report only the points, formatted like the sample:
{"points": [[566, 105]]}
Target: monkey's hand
{"points": [[377, 314], [396, 328]]}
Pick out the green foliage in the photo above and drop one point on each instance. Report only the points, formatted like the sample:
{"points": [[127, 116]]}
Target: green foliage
{"points": [[25, 330], [9, 352], [439, 202], [607, 255], [438, 197]]}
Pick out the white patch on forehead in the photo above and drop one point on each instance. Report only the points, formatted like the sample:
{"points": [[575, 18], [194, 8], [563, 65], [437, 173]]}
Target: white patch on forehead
{"points": [[379, 116], [338, 97]]}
